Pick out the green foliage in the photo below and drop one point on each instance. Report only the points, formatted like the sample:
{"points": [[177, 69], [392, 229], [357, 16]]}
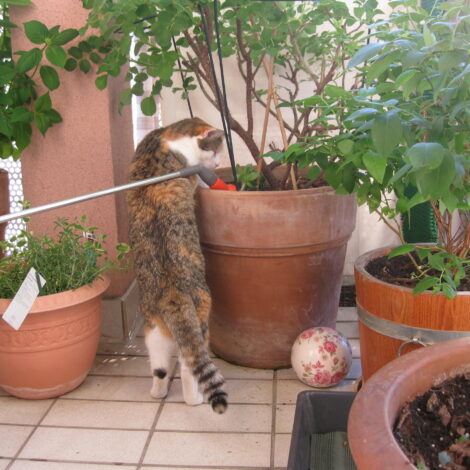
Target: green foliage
{"points": [[249, 178], [409, 125], [67, 261], [21, 73]]}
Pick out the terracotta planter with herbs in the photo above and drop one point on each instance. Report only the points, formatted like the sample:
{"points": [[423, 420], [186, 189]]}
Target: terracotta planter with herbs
{"points": [[274, 264], [391, 315], [54, 349], [375, 408]]}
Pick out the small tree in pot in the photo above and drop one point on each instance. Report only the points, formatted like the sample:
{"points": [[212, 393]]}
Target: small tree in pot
{"points": [[409, 125]]}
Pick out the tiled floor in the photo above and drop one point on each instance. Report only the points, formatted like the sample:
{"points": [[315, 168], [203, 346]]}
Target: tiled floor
{"points": [[111, 421]]}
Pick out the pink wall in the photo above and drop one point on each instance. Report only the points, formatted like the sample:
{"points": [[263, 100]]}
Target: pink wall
{"points": [[90, 150]]}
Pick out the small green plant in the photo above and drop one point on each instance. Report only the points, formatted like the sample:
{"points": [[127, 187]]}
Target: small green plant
{"points": [[74, 258], [249, 178]]}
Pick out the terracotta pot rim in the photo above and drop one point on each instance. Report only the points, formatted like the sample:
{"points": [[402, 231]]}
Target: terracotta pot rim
{"points": [[268, 194], [363, 260], [66, 298], [376, 406]]}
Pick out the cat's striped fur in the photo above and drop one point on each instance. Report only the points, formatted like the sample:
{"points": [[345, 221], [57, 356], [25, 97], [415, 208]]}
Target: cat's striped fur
{"points": [[169, 263]]}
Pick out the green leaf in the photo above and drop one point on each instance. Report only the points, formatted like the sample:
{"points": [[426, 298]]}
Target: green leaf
{"points": [[7, 72], [101, 82], [43, 103], [29, 60], [425, 284], [42, 122], [148, 106], [405, 76], [425, 155], [401, 250], [56, 55], [76, 52], [49, 77], [35, 31], [84, 65], [386, 132], [70, 65], [400, 173], [64, 37], [346, 146], [314, 172], [361, 113], [20, 2], [434, 184], [375, 165], [366, 53], [336, 92], [21, 114]]}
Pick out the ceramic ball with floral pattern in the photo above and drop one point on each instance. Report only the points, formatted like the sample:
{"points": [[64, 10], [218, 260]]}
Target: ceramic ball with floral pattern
{"points": [[321, 357]]}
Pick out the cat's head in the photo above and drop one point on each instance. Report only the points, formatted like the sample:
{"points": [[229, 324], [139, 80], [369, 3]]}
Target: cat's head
{"points": [[197, 141]]}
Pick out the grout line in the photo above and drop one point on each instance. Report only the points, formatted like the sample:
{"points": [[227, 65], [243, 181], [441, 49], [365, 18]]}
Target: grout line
{"points": [[273, 422], [36, 426], [155, 421]]}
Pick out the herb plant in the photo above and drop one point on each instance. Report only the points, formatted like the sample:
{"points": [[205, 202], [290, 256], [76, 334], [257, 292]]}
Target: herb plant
{"points": [[74, 258]]}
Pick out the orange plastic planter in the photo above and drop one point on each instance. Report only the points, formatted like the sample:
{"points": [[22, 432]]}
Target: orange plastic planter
{"points": [[54, 349], [376, 406]]}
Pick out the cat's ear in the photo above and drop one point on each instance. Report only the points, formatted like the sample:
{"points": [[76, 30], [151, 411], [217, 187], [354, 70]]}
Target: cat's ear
{"points": [[213, 134]]}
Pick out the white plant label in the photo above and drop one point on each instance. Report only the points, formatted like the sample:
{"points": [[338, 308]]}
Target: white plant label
{"points": [[24, 299]]}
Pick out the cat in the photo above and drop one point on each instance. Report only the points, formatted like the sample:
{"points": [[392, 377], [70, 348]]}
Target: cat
{"points": [[175, 298]]}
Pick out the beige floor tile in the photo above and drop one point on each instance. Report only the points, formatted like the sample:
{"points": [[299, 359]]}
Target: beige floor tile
{"points": [[96, 445], [286, 374], [348, 329], [101, 414], [114, 388], [12, 438], [239, 391], [287, 390], [136, 348], [231, 371], [237, 418], [284, 418], [281, 450], [35, 465], [121, 365], [4, 463], [355, 347], [347, 314], [3, 393], [209, 449], [17, 411]]}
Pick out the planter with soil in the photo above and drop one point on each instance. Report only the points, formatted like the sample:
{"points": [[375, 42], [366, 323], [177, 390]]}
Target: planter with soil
{"points": [[393, 320], [387, 406], [274, 264]]}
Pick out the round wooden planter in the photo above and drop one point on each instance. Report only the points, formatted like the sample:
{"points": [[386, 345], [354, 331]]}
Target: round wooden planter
{"points": [[376, 406], [391, 316], [4, 201], [274, 264], [54, 349]]}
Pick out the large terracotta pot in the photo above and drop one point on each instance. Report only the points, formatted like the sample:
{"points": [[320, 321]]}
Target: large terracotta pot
{"points": [[274, 263], [393, 320], [376, 406], [54, 349], [4, 201]]}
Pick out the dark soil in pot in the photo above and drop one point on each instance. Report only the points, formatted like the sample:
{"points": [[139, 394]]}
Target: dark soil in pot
{"points": [[401, 271], [434, 428]]}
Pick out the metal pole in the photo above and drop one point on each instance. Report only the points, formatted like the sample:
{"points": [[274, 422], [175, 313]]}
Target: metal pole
{"points": [[189, 171]]}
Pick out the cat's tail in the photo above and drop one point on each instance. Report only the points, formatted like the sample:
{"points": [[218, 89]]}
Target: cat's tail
{"points": [[192, 342]]}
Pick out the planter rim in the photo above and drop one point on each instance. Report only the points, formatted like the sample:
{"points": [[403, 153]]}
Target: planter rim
{"points": [[376, 405], [71, 297], [363, 260], [269, 194]]}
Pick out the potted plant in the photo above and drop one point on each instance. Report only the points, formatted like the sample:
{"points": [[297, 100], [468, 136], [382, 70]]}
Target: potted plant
{"points": [[376, 408], [275, 264], [53, 350], [408, 126]]}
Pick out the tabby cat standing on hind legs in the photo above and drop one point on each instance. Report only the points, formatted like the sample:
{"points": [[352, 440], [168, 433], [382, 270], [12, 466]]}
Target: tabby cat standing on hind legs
{"points": [[169, 263]]}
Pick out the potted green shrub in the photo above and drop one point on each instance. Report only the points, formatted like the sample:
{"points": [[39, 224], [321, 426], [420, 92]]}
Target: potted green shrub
{"points": [[409, 125], [53, 350], [278, 268]]}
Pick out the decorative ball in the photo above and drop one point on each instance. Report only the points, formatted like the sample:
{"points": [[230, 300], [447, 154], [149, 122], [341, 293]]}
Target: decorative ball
{"points": [[321, 357]]}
